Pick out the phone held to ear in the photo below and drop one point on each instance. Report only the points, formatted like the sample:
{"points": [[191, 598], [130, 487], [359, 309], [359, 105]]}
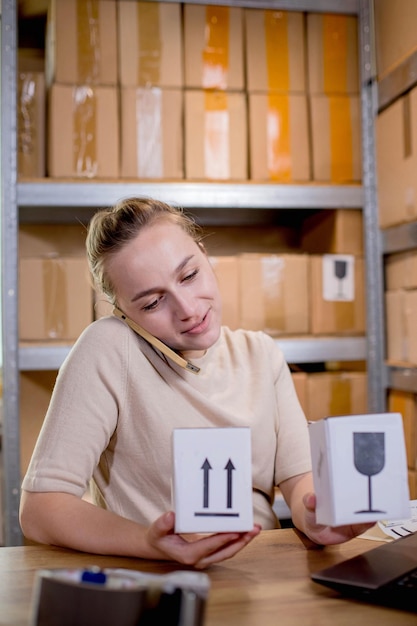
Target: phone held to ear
{"points": [[162, 347]]}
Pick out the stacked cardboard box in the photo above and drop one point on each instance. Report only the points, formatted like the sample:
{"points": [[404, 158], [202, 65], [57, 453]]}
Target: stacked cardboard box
{"points": [[151, 89], [331, 393], [405, 403], [396, 143], [202, 92], [55, 294], [334, 97], [81, 72], [276, 84], [31, 124], [396, 125], [334, 239], [215, 123], [401, 307]]}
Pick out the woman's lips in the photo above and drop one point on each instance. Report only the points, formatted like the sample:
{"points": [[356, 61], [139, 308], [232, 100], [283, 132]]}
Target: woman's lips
{"points": [[200, 327]]}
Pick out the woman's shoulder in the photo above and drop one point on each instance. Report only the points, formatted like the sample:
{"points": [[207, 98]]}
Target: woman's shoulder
{"points": [[108, 328], [251, 341]]}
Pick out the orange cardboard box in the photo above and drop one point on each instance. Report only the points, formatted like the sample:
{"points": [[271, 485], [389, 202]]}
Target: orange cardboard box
{"points": [[330, 394], [83, 132], [336, 138], [81, 42], [216, 143], [213, 47], [279, 137], [151, 133], [275, 50], [150, 44], [405, 403], [332, 53]]}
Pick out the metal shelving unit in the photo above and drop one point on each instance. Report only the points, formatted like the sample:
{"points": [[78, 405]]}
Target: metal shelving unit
{"points": [[63, 201]]}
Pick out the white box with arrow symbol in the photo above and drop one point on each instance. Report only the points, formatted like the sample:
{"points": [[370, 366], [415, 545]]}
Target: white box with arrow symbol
{"points": [[212, 480]]}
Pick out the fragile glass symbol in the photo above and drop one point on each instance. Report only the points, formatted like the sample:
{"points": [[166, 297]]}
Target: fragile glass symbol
{"points": [[340, 270], [369, 460]]}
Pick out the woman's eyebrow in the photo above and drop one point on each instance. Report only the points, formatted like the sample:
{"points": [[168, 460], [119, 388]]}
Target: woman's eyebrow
{"points": [[147, 292]]}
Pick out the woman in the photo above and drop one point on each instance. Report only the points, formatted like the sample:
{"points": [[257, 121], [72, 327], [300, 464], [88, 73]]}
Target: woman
{"points": [[117, 399]]}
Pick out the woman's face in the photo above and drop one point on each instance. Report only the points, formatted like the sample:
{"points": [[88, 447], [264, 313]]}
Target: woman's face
{"points": [[163, 280]]}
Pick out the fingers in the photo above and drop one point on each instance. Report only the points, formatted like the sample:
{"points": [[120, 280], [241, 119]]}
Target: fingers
{"points": [[201, 552], [228, 550]]}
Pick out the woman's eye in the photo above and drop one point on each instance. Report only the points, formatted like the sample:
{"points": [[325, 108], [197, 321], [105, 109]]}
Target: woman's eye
{"points": [[151, 306], [190, 276]]}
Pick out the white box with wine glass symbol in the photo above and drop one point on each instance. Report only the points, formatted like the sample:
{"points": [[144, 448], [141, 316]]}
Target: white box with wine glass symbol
{"points": [[359, 468]]}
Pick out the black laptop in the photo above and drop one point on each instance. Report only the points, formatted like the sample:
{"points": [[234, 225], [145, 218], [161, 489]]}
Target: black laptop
{"points": [[384, 575]]}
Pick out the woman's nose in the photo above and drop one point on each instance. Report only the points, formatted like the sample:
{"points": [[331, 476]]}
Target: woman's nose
{"points": [[185, 306]]}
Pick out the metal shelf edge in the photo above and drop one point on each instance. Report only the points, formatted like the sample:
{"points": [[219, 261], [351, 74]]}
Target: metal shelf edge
{"points": [[190, 194], [297, 350]]}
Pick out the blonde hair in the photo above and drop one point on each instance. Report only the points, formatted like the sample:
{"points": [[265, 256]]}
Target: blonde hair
{"points": [[110, 229]]}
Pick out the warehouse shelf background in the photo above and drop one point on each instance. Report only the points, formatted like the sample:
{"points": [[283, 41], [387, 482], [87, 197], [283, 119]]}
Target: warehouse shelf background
{"points": [[56, 201]]}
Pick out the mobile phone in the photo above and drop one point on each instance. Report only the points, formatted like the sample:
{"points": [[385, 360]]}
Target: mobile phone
{"points": [[162, 347]]}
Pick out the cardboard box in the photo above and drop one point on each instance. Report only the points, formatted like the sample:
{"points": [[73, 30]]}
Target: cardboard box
{"points": [[396, 348], [83, 132], [275, 50], [338, 231], [336, 393], [401, 270], [55, 298], [274, 293], [405, 403], [150, 44], [81, 42], [216, 143], [412, 483], [212, 480], [213, 47], [395, 33], [332, 53], [31, 124], [52, 240], [279, 137], [31, 60], [337, 304], [336, 138], [300, 384], [226, 269], [151, 133], [35, 392], [396, 161], [410, 306], [359, 469]]}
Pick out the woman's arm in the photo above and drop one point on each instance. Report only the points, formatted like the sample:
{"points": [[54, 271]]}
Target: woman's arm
{"points": [[65, 520], [299, 495]]}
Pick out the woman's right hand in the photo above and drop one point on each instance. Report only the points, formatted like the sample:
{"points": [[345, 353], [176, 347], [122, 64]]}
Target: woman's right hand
{"points": [[198, 551]]}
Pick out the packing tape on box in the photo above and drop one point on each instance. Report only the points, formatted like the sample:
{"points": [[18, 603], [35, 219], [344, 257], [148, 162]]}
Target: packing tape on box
{"points": [[105, 597]]}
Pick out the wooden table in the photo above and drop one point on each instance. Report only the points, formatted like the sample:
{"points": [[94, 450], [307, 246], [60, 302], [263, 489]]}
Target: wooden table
{"points": [[267, 584]]}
